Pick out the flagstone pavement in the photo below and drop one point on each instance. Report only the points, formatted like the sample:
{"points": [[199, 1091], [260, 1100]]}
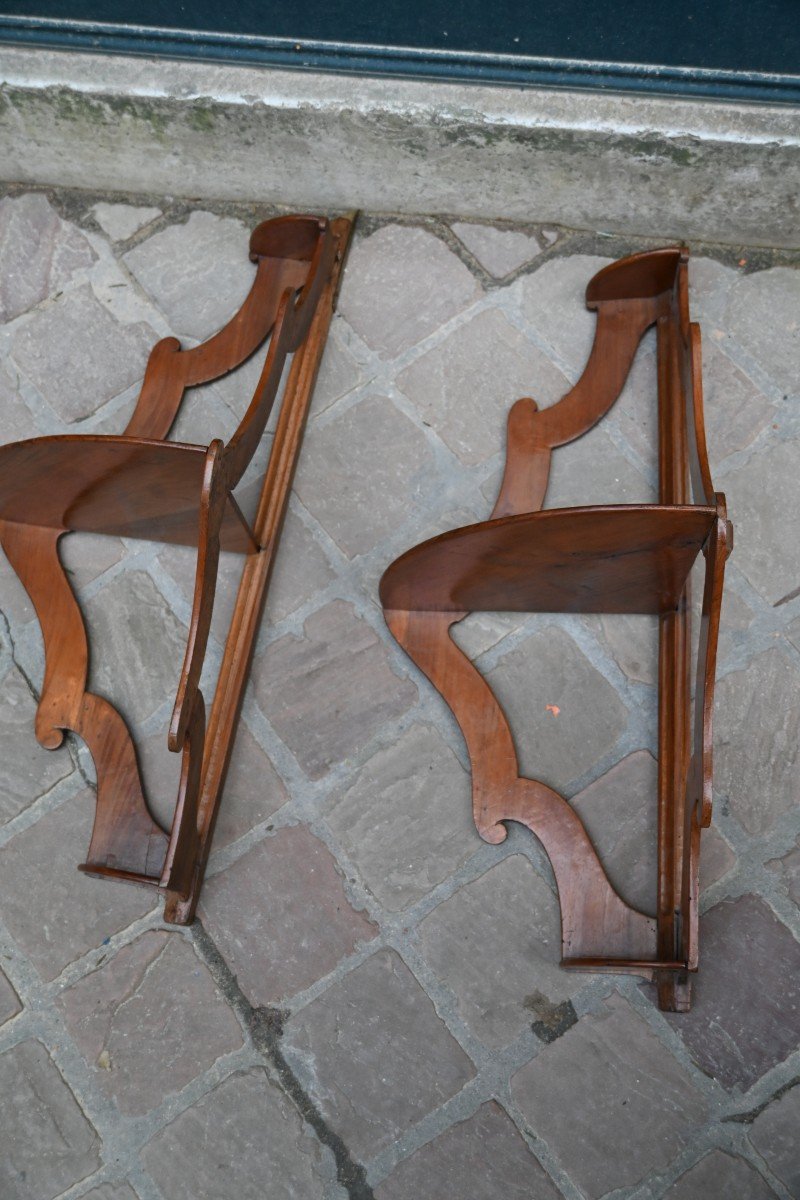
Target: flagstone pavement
{"points": [[370, 1002]]}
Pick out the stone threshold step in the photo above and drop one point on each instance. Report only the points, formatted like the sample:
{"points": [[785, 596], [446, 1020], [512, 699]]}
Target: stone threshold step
{"points": [[653, 166]]}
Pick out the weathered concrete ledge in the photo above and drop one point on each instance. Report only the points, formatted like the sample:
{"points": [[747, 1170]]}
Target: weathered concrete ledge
{"points": [[655, 166]]}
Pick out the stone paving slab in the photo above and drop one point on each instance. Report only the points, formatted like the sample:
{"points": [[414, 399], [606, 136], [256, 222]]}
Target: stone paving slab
{"points": [[328, 691], [774, 1135], [364, 472], [122, 221], [28, 770], [378, 1057], [720, 1175], [40, 253], [9, 1000], [281, 948], [48, 1144], [243, 1139], [499, 251], [111, 1191], [377, 300], [746, 1014], [557, 744], [406, 819], [370, 1004], [53, 912], [503, 974], [576, 1094], [483, 1158], [461, 386], [149, 1021], [78, 356]]}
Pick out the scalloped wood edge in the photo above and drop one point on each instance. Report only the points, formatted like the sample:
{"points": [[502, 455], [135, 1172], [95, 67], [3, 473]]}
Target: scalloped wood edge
{"points": [[610, 558], [140, 485]]}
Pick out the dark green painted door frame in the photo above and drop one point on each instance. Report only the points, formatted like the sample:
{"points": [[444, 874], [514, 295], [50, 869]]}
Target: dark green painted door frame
{"points": [[726, 49]]}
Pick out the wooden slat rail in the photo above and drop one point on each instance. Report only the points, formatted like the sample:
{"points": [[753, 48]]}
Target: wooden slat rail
{"points": [[139, 485], [609, 558]]}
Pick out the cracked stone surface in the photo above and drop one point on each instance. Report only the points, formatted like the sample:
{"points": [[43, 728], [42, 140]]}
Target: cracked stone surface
{"points": [[196, 272], [301, 570], [28, 770], [759, 495], [745, 1016], [620, 813], [142, 1046], [382, 1058], [328, 692], [370, 1004], [552, 301], [9, 1000], [245, 1137], [759, 772], [500, 251], [122, 221], [762, 317], [720, 1174], [39, 253], [73, 913], [138, 644], [550, 669], [502, 970], [407, 819], [78, 356], [788, 868], [465, 386], [482, 1158], [111, 1191], [363, 473], [774, 1135], [400, 285], [308, 926], [46, 1143], [607, 1064]]}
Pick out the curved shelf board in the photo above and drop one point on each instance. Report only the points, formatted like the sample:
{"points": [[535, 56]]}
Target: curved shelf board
{"points": [[118, 486], [609, 559], [137, 485], [612, 559]]}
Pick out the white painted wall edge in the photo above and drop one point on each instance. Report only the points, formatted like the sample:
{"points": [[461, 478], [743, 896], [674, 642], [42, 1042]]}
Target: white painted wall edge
{"points": [[659, 166]]}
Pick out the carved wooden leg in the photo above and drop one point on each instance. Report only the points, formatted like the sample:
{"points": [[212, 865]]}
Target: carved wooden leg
{"points": [[125, 840], [596, 924]]}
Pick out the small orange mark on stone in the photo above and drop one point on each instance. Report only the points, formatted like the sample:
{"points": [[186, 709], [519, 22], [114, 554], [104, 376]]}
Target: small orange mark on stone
{"points": [[742, 262], [553, 708]]}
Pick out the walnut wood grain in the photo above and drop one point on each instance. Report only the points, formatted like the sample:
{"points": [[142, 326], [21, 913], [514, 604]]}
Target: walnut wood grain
{"points": [[224, 716], [613, 559], [139, 485]]}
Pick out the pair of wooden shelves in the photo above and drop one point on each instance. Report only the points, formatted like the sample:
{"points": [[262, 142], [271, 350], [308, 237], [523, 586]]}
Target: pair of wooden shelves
{"points": [[612, 559]]}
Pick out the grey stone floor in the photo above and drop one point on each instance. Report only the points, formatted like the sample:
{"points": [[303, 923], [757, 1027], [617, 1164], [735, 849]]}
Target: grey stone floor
{"points": [[370, 1003]]}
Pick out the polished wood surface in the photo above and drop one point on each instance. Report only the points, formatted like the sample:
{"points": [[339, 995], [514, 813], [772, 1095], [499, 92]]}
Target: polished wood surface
{"points": [[251, 598], [613, 559], [139, 485]]}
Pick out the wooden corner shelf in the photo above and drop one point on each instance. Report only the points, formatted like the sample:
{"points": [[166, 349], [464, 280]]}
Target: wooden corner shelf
{"points": [[139, 485], [609, 559]]}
